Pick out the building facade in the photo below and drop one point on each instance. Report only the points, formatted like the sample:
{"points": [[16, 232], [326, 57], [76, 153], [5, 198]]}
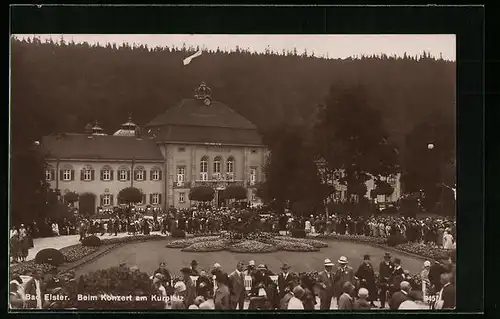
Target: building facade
{"points": [[200, 141]]}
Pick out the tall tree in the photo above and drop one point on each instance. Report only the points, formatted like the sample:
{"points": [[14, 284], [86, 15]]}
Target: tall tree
{"points": [[350, 136], [429, 159]]}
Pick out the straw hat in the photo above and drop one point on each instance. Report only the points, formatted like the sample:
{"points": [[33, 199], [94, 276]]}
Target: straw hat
{"points": [[328, 262], [180, 286], [342, 260]]}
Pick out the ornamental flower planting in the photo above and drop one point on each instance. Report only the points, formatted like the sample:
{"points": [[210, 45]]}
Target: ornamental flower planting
{"points": [[207, 246], [29, 266], [252, 243], [183, 243], [252, 246], [128, 239], [425, 250], [77, 252]]}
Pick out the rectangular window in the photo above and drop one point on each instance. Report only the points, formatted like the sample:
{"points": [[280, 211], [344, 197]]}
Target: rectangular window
{"points": [[48, 175], [155, 175], [181, 172], [204, 176], [155, 199], [216, 167], [123, 175], [254, 151], [181, 197], [106, 175], [254, 198], [253, 176], [106, 200], [87, 175], [139, 175], [230, 167], [66, 175], [182, 149]]}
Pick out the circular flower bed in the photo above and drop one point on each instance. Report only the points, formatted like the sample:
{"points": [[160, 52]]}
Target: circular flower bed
{"points": [[252, 246]]}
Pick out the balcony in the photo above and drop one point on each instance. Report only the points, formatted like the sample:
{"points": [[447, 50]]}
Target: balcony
{"points": [[182, 184], [219, 184]]}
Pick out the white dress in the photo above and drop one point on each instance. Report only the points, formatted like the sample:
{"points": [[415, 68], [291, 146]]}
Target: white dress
{"points": [[448, 241], [308, 225]]}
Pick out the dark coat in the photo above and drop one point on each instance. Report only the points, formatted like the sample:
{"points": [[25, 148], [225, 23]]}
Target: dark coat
{"points": [[448, 297], [282, 283], [397, 299], [397, 277], [385, 272], [366, 275], [341, 277]]}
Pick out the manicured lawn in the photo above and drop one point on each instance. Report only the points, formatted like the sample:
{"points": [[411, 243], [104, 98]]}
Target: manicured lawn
{"points": [[148, 255]]}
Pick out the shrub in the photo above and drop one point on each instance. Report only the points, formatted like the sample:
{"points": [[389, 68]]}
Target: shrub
{"points": [[298, 233], [92, 241], [177, 233], [49, 256], [396, 239]]}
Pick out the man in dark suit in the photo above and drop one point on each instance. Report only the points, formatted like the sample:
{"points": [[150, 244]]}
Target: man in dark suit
{"points": [[237, 293], [397, 275], [344, 274], [164, 271], [447, 294], [194, 268], [385, 270], [283, 279], [400, 296], [434, 276], [190, 287], [326, 281], [366, 275]]}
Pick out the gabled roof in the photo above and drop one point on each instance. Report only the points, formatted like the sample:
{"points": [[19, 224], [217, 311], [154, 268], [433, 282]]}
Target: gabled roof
{"points": [[200, 134], [194, 112], [105, 147]]}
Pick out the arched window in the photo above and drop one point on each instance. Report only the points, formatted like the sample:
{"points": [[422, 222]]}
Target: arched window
{"points": [[230, 165], [204, 165], [217, 165]]}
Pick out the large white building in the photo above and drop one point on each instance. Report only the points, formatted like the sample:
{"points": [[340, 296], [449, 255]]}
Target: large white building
{"points": [[199, 141]]}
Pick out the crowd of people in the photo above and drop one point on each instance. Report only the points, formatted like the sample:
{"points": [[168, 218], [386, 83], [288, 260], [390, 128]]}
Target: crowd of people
{"points": [[434, 231], [351, 288]]}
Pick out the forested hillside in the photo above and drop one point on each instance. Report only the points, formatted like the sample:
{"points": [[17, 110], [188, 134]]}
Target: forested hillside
{"points": [[62, 86]]}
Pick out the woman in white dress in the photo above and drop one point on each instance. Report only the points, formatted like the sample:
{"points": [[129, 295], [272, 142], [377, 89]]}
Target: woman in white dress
{"points": [[308, 226], [448, 240], [55, 229]]}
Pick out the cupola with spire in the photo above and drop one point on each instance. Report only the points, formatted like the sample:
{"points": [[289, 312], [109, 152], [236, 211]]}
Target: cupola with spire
{"points": [[97, 130], [127, 129]]}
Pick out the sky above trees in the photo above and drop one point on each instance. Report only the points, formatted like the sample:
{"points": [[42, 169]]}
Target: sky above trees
{"points": [[327, 46]]}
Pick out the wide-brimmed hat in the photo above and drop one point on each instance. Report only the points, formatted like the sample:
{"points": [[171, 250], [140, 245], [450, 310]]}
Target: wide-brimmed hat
{"points": [[366, 257], [427, 263], [217, 265], [261, 267], [328, 262], [342, 260], [251, 263], [285, 266], [387, 255]]}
